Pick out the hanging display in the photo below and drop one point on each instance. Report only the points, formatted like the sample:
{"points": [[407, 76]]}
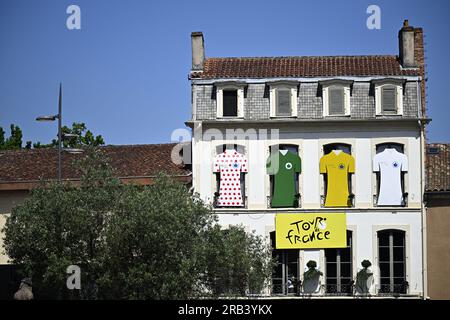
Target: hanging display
{"points": [[390, 163], [337, 165], [283, 165], [230, 164]]}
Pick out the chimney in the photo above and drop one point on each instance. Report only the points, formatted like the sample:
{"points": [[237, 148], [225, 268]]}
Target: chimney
{"points": [[407, 46], [198, 51]]}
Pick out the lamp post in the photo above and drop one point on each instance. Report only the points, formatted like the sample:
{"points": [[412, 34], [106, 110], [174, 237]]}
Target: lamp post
{"points": [[60, 135]]}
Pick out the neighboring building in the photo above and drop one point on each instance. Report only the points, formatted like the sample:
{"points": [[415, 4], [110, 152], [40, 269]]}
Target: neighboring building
{"points": [[437, 199], [22, 170], [350, 108]]}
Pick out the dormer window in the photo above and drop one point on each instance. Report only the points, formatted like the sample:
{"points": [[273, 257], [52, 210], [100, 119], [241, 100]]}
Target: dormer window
{"points": [[230, 99], [283, 99], [388, 96], [230, 103], [336, 97]]}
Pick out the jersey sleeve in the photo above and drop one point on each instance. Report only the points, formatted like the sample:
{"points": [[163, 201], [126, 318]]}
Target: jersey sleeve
{"points": [[216, 163], [404, 163], [376, 163], [322, 165], [297, 164], [351, 164]]}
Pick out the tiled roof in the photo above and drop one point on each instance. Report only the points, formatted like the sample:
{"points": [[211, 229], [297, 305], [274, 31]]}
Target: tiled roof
{"points": [[319, 66], [127, 160], [438, 167]]}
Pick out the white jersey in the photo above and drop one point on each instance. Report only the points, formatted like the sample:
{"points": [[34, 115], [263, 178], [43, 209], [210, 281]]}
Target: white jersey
{"points": [[390, 163]]}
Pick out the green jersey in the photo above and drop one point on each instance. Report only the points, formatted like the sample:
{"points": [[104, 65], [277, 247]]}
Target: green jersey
{"points": [[284, 168]]}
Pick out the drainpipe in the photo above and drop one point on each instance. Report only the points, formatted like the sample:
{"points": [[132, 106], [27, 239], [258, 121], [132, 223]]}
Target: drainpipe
{"points": [[423, 212]]}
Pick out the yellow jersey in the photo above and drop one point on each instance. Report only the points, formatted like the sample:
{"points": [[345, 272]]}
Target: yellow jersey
{"points": [[337, 167]]}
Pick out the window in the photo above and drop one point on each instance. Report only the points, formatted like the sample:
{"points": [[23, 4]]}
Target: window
{"points": [[388, 96], [286, 274], [346, 148], [283, 103], [283, 99], [336, 101], [392, 191], [230, 99], [338, 267], [392, 261], [389, 99], [294, 149], [336, 97], [220, 149], [230, 103], [433, 150]]}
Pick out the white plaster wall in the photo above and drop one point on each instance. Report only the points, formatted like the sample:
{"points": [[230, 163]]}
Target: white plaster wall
{"points": [[364, 226]]}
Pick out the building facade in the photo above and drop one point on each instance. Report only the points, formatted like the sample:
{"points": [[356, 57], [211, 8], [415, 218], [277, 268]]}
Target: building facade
{"points": [[346, 134], [437, 199]]}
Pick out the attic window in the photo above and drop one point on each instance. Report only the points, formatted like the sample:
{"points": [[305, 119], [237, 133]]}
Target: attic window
{"points": [[433, 150]]}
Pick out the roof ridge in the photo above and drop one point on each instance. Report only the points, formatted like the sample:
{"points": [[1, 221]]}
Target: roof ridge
{"points": [[290, 57]]}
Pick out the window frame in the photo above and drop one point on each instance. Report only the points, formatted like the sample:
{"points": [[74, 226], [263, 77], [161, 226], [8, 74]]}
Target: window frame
{"points": [[336, 83], [273, 96], [230, 86], [390, 232], [378, 89], [338, 263]]}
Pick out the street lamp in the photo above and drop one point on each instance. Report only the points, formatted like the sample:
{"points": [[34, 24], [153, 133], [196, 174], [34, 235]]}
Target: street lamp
{"points": [[60, 135]]}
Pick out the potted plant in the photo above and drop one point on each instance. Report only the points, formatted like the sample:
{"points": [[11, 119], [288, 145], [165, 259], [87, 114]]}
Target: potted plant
{"points": [[362, 278], [311, 277]]}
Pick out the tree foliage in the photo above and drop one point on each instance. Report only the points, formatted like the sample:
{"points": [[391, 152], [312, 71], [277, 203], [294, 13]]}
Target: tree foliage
{"points": [[131, 242], [14, 141]]}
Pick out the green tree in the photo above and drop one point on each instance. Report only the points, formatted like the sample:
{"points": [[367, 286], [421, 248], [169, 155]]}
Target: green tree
{"points": [[14, 141], [237, 262], [83, 137], [131, 242]]}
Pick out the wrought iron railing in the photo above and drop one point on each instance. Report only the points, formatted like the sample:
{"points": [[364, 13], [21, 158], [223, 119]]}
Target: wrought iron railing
{"points": [[403, 204], [351, 201], [393, 289], [297, 201], [339, 290], [216, 198]]}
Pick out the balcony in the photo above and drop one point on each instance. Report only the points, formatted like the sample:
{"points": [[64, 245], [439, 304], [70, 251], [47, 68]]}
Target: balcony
{"points": [[297, 201], [404, 200], [351, 201]]}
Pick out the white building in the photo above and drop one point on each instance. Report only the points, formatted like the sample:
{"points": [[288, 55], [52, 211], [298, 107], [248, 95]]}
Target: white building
{"points": [[360, 105]]}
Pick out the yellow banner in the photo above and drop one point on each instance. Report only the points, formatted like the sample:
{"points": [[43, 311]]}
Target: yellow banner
{"points": [[310, 231]]}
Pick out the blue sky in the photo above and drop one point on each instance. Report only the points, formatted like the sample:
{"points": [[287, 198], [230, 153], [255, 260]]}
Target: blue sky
{"points": [[125, 72]]}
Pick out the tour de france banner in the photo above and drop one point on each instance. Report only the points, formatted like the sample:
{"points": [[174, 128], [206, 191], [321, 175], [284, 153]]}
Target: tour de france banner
{"points": [[310, 231]]}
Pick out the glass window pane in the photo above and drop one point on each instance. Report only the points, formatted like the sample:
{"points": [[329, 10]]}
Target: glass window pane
{"points": [[383, 238], [399, 270], [331, 280], [230, 103], [346, 269], [331, 270], [345, 255], [399, 238], [399, 254], [384, 269], [384, 254], [330, 255]]}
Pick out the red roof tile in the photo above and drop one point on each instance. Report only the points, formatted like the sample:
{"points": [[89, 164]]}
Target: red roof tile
{"points": [[438, 167], [320, 66], [127, 161]]}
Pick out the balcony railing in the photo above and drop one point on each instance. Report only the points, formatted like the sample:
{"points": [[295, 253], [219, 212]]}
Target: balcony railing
{"points": [[216, 198], [297, 201], [393, 289], [403, 204], [351, 201], [339, 290]]}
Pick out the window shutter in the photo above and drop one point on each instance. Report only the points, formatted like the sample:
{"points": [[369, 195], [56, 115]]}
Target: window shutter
{"points": [[230, 103], [388, 99], [283, 106], [335, 101]]}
